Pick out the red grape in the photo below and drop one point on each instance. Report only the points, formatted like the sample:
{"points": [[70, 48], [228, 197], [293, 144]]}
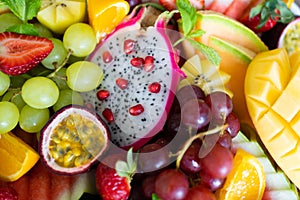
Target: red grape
{"points": [[218, 162], [196, 114], [233, 123], [148, 186], [210, 182], [189, 92], [171, 184], [190, 162], [153, 157], [220, 104], [200, 193], [225, 140]]}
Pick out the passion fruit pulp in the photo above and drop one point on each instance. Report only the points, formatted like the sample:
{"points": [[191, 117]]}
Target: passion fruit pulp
{"points": [[73, 140]]}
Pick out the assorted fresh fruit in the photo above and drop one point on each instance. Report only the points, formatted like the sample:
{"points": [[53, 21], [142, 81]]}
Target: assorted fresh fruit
{"points": [[161, 100]]}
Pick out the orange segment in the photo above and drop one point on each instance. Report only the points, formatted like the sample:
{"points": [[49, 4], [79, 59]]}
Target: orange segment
{"points": [[246, 181], [104, 16], [16, 157]]}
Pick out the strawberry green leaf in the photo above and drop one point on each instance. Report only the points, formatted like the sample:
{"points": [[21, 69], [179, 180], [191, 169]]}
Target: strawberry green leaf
{"points": [[122, 169]]}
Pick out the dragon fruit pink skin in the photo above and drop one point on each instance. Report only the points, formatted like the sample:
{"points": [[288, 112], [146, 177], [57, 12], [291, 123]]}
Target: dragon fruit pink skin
{"points": [[128, 130]]}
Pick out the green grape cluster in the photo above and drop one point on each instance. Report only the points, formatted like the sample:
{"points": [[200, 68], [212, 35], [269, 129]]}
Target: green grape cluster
{"points": [[29, 100]]}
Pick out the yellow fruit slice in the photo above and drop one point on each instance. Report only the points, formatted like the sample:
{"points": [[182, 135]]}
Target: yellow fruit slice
{"points": [[288, 2], [104, 16], [272, 88], [208, 77], [58, 15], [16, 157], [246, 180]]}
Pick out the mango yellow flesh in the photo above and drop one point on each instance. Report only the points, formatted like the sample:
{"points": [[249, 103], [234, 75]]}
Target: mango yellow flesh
{"points": [[272, 90]]}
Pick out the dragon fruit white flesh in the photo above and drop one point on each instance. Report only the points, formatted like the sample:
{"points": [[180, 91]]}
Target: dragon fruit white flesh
{"points": [[137, 91]]}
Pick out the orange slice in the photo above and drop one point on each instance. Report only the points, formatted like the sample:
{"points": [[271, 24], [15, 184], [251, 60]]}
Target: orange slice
{"points": [[16, 157], [104, 16], [246, 180]]}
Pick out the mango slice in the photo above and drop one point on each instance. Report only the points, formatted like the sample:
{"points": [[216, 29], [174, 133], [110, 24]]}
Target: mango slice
{"points": [[272, 91]]}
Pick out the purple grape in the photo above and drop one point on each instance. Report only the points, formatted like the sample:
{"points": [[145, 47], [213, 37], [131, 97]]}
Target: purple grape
{"points": [[189, 92], [190, 162], [233, 123], [153, 157], [200, 193], [196, 114], [171, 184], [218, 163], [225, 140], [220, 104], [210, 182]]}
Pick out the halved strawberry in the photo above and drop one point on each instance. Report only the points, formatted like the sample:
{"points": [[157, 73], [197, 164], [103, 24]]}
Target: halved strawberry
{"points": [[20, 53]]}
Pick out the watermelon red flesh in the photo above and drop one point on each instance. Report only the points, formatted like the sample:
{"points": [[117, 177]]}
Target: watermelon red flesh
{"points": [[219, 5], [41, 184], [236, 8], [127, 130]]}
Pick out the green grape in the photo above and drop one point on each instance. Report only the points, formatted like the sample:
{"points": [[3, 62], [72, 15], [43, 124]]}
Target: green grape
{"points": [[40, 92], [15, 97], [32, 120], [60, 79], [4, 83], [67, 97], [7, 20], [84, 76], [57, 55], [43, 31], [9, 116], [80, 38]]}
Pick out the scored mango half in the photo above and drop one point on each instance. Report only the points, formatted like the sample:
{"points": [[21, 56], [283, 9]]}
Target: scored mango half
{"points": [[272, 91]]}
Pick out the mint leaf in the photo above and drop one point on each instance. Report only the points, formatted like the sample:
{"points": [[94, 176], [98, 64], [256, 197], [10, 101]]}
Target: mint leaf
{"points": [[210, 53], [23, 9], [28, 29], [188, 15], [196, 33]]}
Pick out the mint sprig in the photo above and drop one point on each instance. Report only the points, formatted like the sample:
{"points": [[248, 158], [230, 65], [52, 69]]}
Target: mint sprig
{"points": [[25, 10], [189, 17]]}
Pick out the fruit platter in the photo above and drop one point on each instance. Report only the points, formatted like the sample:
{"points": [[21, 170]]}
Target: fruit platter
{"points": [[149, 100]]}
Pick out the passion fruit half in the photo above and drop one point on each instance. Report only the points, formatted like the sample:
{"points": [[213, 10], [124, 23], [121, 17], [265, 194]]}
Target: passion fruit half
{"points": [[73, 140], [290, 37]]}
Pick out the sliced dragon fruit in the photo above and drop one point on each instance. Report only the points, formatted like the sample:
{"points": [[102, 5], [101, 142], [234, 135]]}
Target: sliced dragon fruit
{"points": [[140, 79]]}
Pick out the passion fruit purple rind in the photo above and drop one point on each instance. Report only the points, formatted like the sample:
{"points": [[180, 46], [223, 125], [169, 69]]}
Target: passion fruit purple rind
{"points": [[73, 140]]}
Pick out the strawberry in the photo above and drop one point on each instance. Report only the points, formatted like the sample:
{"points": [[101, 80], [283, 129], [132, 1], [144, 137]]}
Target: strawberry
{"points": [[265, 15], [20, 53], [8, 193], [254, 23], [171, 4], [113, 177]]}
